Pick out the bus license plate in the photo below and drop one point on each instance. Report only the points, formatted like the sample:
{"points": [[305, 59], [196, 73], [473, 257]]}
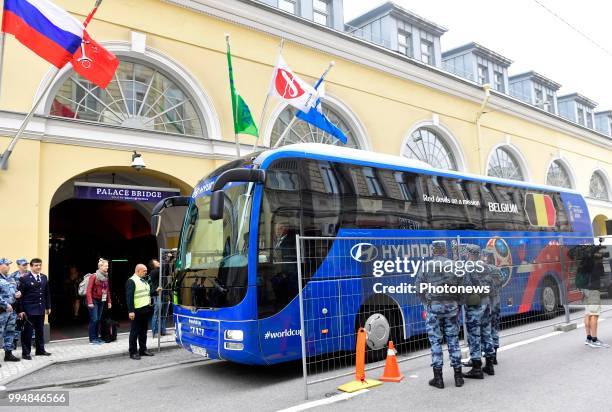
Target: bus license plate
{"points": [[199, 351]]}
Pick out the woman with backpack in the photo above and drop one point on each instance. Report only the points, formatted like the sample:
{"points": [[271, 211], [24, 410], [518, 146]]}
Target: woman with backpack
{"points": [[98, 297]]}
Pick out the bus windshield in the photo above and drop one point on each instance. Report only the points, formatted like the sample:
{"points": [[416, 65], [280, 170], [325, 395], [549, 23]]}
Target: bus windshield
{"points": [[214, 252]]}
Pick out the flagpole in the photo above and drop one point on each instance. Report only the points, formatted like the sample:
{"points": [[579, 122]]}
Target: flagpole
{"points": [[7, 153], [293, 120], [263, 111]]}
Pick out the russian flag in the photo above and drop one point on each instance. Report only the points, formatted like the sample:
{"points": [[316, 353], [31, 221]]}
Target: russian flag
{"points": [[44, 28]]}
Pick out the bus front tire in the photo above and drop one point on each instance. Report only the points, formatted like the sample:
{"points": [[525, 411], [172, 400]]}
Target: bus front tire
{"points": [[381, 326]]}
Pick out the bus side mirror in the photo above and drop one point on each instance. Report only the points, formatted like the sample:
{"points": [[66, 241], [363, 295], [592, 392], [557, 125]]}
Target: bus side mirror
{"points": [[166, 203], [155, 225], [217, 204]]}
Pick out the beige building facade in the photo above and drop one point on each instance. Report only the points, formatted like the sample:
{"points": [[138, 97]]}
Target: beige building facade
{"points": [[386, 102]]}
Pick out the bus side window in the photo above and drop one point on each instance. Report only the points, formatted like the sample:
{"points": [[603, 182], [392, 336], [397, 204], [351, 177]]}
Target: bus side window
{"points": [[497, 208], [279, 222], [563, 223]]}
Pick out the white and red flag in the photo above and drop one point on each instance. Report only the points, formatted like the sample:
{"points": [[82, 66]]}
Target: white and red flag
{"points": [[290, 88]]}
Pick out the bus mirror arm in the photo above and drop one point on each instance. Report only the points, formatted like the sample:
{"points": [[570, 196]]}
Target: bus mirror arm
{"points": [[166, 203], [217, 202], [239, 175]]}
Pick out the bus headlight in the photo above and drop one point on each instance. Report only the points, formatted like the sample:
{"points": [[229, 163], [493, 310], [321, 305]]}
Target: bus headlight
{"points": [[233, 345], [237, 335]]}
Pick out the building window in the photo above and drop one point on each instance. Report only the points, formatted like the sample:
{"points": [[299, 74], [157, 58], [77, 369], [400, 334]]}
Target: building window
{"points": [[321, 12], [290, 6], [404, 43], [499, 82], [558, 175], [302, 132], [610, 130], [426, 145], [139, 97], [598, 188], [550, 102], [503, 164], [483, 74], [427, 52], [539, 97], [589, 119], [581, 116], [374, 187]]}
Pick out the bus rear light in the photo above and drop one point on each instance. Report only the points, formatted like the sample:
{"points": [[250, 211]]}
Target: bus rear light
{"points": [[233, 346], [235, 335]]}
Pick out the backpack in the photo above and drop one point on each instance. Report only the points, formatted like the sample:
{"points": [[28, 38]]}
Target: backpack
{"points": [[83, 285], [108, 330]]}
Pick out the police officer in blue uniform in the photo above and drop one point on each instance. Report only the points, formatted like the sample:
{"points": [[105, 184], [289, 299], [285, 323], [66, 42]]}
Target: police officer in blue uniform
{"points": [[35, 303], [442, 309], [8, 317]]}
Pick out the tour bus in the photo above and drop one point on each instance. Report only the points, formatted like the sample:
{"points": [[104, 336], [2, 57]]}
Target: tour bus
{"points": [[236, 278]]}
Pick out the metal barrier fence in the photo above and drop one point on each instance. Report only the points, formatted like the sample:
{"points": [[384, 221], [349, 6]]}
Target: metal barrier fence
{"points": [[352, 282], [162, 309]]}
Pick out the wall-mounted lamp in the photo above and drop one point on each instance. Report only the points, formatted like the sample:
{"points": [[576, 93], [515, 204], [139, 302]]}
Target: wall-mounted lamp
{"points": [[137, 161]]}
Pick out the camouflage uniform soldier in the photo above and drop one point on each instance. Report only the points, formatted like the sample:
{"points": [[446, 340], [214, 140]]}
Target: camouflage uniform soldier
{"points": [[8, 317], [495, 305], [478, 318], [442, 309]]}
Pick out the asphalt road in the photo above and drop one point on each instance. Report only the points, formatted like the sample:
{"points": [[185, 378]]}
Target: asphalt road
{"points": [[538, 370]]}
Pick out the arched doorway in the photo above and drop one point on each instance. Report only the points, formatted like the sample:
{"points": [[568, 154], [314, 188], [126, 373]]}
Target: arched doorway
{"points": [[105, 213]]}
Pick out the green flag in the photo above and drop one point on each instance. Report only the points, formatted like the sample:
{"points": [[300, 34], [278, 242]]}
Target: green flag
{"points": [[243, 121]]}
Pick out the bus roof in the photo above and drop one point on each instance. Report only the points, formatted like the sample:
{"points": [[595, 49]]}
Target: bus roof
{"points": [[367, 158]]}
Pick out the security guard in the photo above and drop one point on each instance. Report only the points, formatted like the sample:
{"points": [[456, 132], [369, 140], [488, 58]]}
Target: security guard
{"points": [[442, 309], [495, 301], [138, 298], [35, 302], [478, 317], [8, 318]]}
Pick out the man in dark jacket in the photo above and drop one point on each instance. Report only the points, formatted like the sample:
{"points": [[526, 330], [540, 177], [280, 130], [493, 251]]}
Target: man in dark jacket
{"points": [[138, 295], [35, 303]]}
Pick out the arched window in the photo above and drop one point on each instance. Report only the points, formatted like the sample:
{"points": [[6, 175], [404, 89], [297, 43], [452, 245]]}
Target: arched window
{"points": [[428, 146], [302, 132], [140, 96], [558, 175], [598, 188], [505, 165]]}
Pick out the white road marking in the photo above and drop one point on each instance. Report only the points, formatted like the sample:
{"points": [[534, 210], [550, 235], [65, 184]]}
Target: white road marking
{"points": [[326, 401]]}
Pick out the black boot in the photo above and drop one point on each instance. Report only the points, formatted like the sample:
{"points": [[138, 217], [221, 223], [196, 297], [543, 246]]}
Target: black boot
{"points": [[467, 364], [9, 357], [458, 377], [495, 357], [437, 380], [476, 371], [488, 369]]}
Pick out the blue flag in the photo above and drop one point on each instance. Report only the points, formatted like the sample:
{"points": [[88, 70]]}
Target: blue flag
{"points": [[316, 118]]}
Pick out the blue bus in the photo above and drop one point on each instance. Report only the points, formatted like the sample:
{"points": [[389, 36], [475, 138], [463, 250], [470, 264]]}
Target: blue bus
{"points": [[235, 282]]}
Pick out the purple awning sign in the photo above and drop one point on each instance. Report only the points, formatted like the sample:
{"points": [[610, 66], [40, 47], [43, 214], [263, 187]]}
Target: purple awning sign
{"points": [[101, 191]]}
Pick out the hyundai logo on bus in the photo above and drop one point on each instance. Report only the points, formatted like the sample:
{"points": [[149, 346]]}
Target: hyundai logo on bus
{"points": [[364, 252]]}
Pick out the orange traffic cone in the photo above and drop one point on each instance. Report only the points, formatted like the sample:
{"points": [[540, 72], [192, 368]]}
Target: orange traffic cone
{"points": [[392, 372]]}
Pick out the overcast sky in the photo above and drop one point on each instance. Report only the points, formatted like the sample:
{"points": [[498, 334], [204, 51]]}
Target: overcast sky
{"points": [[526, 33]]}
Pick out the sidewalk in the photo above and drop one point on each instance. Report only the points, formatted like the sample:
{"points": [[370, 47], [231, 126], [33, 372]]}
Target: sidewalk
{"points": [[74, 350]]}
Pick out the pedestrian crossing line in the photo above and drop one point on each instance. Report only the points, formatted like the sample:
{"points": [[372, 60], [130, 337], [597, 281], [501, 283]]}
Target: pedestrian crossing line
{"points": [[326, 401]]}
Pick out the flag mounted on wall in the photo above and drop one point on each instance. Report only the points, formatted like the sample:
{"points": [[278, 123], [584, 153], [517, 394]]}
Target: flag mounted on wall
{"points": [[317, 118], [290, 88], [243, 120], [44, 28], [94, 62]]}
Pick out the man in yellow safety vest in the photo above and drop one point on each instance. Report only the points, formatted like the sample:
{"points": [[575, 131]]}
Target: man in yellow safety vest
{"points": [[138, 297]]}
